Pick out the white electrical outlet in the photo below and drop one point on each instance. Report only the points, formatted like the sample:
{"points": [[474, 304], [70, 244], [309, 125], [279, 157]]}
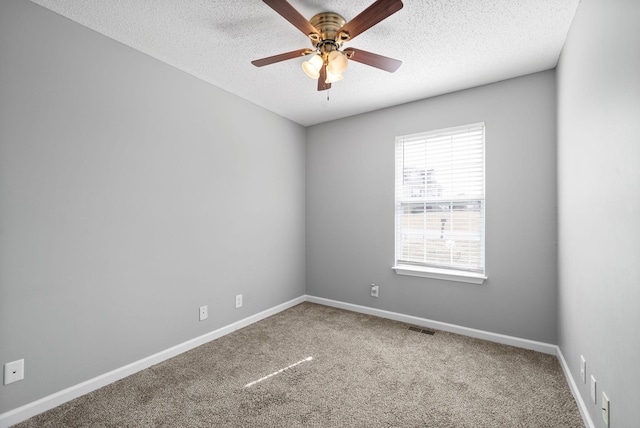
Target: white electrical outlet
{"points": [[204, 313], [238, 301], [374, 290], [605, 408], [583, 369], [13, 371], [593, 389]]}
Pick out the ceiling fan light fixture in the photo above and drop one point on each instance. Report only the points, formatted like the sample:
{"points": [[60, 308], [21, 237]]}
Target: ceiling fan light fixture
{"points": [[337, 62], [312, 67], [327, 31]]}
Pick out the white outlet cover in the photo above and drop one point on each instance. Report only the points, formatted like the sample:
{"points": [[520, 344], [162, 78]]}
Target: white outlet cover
{"points": [[593, 389], [13, 371], [583, 369], [204, 313], [238, 301], [605, 409]]}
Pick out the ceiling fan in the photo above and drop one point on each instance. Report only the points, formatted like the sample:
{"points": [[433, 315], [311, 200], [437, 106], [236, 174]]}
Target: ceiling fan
{"points": [[327, 32]]}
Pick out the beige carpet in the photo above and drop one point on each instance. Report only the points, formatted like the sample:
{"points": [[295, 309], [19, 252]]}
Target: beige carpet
{"points": [[316, 366]]}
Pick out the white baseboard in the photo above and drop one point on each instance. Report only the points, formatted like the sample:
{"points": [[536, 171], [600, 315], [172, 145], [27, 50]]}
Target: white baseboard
{"points": [[546, 348], [27, 411], [588, 422]]}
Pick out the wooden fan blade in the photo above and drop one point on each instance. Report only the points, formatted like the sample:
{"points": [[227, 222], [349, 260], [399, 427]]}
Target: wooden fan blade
{"points": [[369, 17], [289, 13], [322, 85], [282, 57], [374, 60]]}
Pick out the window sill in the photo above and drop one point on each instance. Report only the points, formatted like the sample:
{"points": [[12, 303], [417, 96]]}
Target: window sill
{"points": [[446, 274]]}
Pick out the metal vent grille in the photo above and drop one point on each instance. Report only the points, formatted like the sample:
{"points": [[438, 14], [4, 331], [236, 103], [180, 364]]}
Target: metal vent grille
{"points": [[421, 330]]}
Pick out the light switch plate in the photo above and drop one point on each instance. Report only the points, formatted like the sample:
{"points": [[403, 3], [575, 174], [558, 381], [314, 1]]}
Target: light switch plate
{"points": [[13, 371], [593, 389]]}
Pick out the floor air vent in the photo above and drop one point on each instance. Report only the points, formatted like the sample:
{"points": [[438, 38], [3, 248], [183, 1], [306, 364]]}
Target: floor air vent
{"points": [[421, 330]]}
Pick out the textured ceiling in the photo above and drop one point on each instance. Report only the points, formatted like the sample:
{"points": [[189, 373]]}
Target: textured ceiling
{"points": [[445, 46]]}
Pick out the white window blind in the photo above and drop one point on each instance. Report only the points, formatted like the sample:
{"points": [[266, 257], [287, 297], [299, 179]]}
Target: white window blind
{"points": [[440, 199]]}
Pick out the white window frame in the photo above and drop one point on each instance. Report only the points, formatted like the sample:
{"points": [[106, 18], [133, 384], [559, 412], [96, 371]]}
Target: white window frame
{"points": [[403, 197]]}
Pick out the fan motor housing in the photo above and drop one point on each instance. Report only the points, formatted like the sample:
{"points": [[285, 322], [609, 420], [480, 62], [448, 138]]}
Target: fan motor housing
{"points": [[328, 24]]}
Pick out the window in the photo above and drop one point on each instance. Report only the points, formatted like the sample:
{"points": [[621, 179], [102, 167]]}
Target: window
{"points": [[440, 204]]}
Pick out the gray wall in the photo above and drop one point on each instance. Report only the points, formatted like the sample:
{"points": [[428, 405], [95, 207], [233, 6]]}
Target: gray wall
{"points": [[599, 204], [350, 210], [130, 194]]}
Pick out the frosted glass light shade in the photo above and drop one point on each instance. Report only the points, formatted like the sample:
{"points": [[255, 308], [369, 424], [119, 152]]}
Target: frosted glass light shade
{"points": [[312, 67], [337, 62], [332, 77]]}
